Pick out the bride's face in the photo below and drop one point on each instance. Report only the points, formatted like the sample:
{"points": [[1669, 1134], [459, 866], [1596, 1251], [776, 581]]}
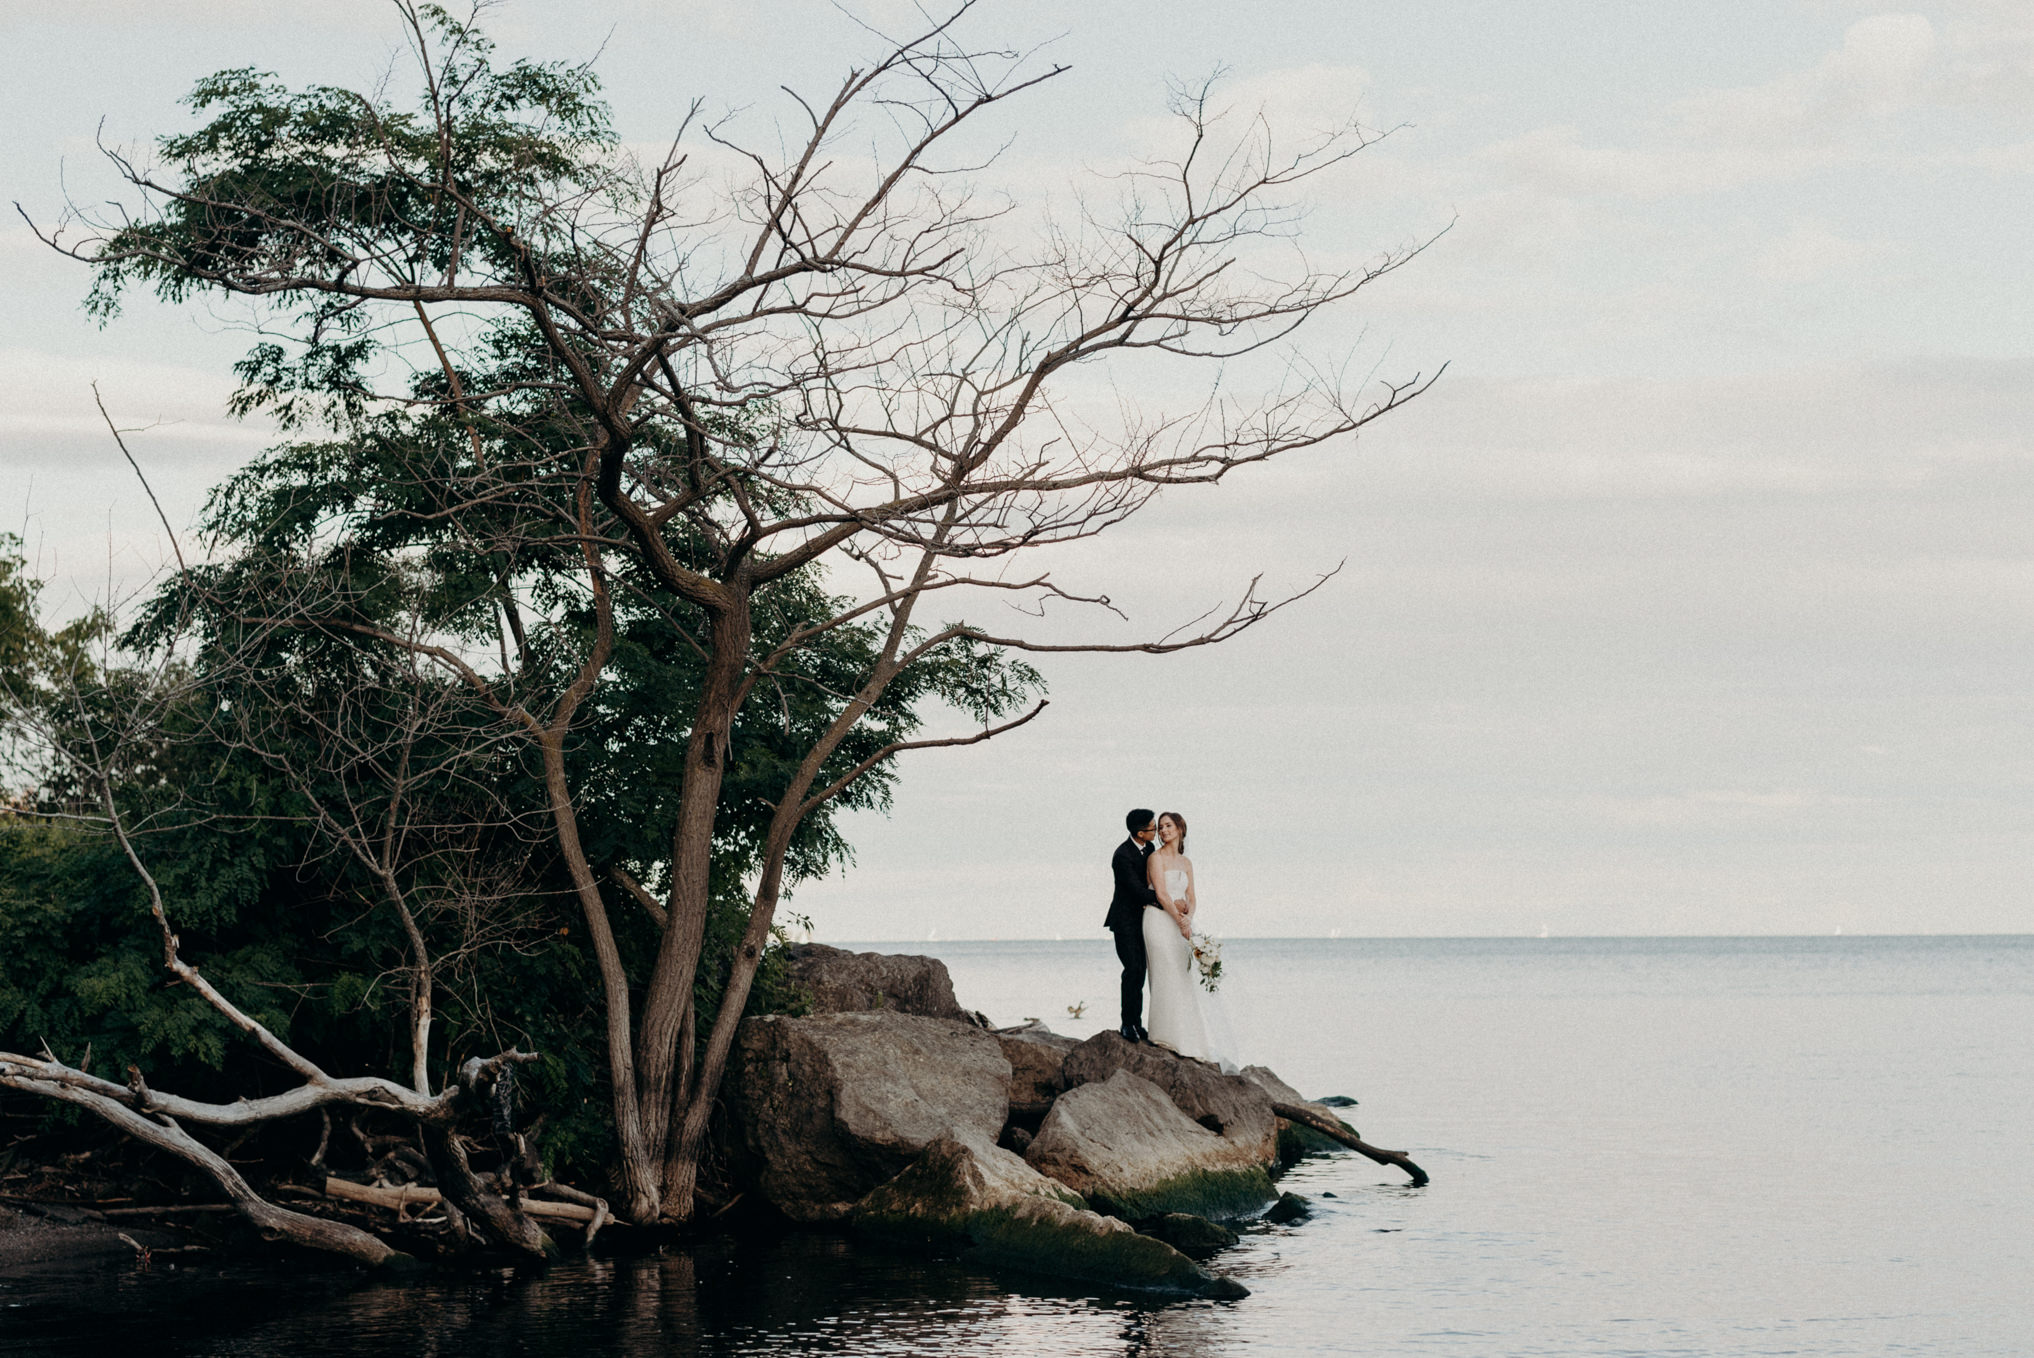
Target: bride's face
{"points": [[1168, 832]]}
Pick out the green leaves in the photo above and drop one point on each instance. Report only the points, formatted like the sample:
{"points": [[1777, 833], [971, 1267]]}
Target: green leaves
{"points": [[428, 570]]}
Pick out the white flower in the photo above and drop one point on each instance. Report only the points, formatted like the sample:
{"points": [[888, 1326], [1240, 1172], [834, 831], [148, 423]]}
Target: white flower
{"points": [[1208, 958]]}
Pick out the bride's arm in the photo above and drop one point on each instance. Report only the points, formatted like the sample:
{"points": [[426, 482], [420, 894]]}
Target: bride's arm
{"points": [[1157, 880], [1189, 905], [1172, 908]]}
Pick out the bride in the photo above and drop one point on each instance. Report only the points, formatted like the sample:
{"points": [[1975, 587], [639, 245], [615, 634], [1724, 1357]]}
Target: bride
{"points": [[1183, 1018]]}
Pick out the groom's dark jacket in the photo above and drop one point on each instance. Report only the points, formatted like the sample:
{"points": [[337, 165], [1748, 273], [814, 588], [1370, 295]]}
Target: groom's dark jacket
{"points": [[1133, 890]]}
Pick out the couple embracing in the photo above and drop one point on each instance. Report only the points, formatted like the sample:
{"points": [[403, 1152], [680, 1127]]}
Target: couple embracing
{"points": [[1152, 917]]}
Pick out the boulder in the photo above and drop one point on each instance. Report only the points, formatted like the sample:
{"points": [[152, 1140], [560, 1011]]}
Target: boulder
{"points": [[966, 1193], [1125, 1147], [1289, 1208], [842, 982], [1195, 1237], [1035, 1053], [1295, 1141], [1227, 1104], [830, 1105]]}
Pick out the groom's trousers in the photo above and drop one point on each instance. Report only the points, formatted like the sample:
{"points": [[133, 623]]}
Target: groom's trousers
{"points": [[1130, 952]]}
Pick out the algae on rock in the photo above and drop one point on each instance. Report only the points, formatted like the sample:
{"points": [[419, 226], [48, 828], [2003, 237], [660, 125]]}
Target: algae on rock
{"points": [[1296, 1141], [1129, 1150], [966, 1193]]}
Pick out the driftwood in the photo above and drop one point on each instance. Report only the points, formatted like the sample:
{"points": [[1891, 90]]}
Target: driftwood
{"points": [[168, 1122], [145, 1254], [163, 1132], [503, 1220], [1328, 1127], [415, 1195], [601, 1213]]}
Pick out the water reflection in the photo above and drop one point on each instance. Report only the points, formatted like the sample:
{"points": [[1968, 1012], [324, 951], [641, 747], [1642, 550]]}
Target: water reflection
{"points": [[1691, 1147], [803, 1293]]}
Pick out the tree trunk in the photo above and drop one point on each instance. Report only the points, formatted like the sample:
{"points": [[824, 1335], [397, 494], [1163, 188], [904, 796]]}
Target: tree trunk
{"points": [[681, 1165], [505, 1223], [669, 993], [637, 1159], [681, 1169]]}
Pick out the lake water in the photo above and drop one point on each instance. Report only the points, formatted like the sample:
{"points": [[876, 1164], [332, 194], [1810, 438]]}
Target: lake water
{"points": [[1655, 1147]]}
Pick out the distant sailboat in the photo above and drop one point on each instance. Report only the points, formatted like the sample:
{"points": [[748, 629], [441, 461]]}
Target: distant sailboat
{"points": [[1543, 931]]}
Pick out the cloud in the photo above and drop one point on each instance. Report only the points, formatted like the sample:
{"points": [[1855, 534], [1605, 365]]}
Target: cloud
{"points": [[1811, 251], [1717, 807], [43, 394], [238, 14], [1887, 68], [1884, 65]]}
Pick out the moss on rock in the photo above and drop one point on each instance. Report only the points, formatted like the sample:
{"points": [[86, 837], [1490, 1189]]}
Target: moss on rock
{"points": [[969, 1195], [1218, 1194]]}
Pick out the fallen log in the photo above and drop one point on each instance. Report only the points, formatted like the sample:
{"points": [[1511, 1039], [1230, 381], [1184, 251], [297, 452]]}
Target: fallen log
{"points": [[415, 1195], [601, 1213], [274, 1223], [1328, 1127]]}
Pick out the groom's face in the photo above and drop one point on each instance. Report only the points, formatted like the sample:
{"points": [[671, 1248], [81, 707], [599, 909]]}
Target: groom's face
{"points": [[1145, 835]]}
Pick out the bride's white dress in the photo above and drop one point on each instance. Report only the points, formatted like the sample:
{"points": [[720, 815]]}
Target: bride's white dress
{"points": [[1184, 1016]]}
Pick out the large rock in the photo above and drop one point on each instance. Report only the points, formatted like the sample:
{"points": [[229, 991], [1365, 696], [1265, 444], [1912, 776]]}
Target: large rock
{"points": [[842, 982], [1195, 1237], [1227, 1104], [1296, 1141], [1125, 1147], [831, 1105], [1035, 1053], [967, 1193]]}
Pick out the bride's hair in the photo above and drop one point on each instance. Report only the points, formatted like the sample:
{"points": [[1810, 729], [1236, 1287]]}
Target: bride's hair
{"points": [[1177, 819]]}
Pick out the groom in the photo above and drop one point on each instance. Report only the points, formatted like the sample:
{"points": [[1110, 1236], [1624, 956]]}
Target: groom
{"points": [[1126, 916]]}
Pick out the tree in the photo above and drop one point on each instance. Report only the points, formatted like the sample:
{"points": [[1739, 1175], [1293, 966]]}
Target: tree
{"points": [[677, 408], [102, 728]]}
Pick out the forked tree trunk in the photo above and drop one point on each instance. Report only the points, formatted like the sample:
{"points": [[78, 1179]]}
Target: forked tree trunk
{"points": [[688, 1138]]}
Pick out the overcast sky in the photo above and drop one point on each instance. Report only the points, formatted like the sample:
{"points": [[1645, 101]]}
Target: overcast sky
{"points": [[1695, 599]]}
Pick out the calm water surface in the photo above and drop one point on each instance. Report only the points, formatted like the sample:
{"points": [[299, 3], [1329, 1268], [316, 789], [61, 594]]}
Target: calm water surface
{"points": [[1648, 1147]]}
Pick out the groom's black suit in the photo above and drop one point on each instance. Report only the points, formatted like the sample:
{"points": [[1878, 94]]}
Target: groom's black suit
{"points": [[1126, 921]]}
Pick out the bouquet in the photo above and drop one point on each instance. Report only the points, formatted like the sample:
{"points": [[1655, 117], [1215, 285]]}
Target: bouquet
{"points": [[1208, 958]]}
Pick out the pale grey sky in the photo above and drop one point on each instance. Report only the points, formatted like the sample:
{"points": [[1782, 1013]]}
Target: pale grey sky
{"points": [[1696, 598]]}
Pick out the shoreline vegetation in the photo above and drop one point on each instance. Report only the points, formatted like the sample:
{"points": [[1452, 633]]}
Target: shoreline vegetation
{"points": [[628, 521], [886, 1110]]}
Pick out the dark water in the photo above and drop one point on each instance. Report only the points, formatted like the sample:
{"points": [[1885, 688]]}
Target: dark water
{"points": [[1639, 1147]]}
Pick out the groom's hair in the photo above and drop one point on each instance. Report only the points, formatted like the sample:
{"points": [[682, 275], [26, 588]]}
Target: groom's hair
{"points": [[1137, 820]]}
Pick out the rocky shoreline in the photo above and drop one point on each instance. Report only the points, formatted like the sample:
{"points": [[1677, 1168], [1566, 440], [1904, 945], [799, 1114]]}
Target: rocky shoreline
{"points": [[896, 1112], [890, 1112]]}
